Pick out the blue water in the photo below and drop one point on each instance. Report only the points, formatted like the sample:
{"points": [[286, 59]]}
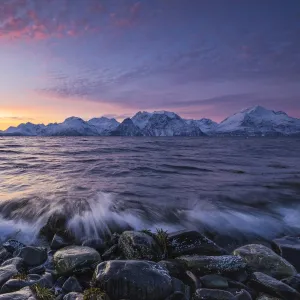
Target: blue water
{"points": [[228, 184]]}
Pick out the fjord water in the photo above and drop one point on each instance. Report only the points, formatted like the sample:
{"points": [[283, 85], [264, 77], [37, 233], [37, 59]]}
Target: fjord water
{"points": [[234, 186]]}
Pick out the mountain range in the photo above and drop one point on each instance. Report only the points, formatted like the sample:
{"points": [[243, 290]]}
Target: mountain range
{"points": [[253, 121]]}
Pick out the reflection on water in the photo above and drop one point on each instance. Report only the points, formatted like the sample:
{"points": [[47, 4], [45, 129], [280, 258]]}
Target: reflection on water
{"points": [[228, 184]]}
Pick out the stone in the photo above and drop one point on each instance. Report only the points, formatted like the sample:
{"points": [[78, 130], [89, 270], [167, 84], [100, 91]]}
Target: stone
{"points": [[73, 258], [58, 242], [33, 256], [14, 285], [262, 259], [46, 280], [179, 286], [6, 273], [4, 255], [267, 297], [111, 253], [177, 296], [97, 244], [56, 223], [192, 281], [23, 294], [192, 242], [175, 267], [18, 262], [73, 296], [293, 282], [204, 265], [214, 281], [209, 294], [37, 270], [243, 295], [13, 245], [72, 285], [133, 279], [289, 248], [139, 245], [269, 285], [240, 286]]}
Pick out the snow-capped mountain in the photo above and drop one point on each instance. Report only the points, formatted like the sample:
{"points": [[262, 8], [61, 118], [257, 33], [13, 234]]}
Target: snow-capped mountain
{"points": [[259, 121], [207, 126], [254, 121], [127, 128], [141, 119], [164, 123], [104, 125], [25, 129], [72, 126]]}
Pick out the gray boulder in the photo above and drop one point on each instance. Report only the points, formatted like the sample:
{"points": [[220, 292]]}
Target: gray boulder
{"points": [[23, 294], [293, 281], [204, 265], [175, 267], [209, 294], [177, 296], [267, 297], [74, 258], [262, 259], [131, 279], [214, 281], [192, 242], [16, 261], [4, 255], [73, 296], [6, 273], [72, 285], [33, 256], [58, 242], [289, 248], [139, 245], [269, 285]]}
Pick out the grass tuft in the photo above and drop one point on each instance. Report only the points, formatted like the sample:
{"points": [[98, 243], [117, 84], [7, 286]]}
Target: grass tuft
{"points": [[162, 239], [147, 231], [20, 276], [94, 293], [42, 293]]}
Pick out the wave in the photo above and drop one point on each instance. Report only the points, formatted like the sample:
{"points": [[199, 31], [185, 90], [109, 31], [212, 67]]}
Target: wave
{"points": [[104, 214]]}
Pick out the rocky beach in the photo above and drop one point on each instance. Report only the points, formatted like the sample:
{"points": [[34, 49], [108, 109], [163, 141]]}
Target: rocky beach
{"points": [[147, 265]]}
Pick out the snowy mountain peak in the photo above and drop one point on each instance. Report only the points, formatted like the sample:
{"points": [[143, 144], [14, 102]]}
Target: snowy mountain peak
{"points": [[253, 121], [258, 120], [169, 114], [73, 119]]}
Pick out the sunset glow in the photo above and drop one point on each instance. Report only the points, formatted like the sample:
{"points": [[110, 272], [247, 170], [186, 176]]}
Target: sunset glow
{"points": [[61, 58]]}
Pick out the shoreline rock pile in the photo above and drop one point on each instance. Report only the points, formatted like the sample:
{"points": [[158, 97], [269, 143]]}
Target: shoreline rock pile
{"points": [[142, 265]]}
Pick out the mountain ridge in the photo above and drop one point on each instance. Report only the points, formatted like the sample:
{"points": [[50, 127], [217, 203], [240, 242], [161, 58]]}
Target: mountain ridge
{"points": [[252, 121]]}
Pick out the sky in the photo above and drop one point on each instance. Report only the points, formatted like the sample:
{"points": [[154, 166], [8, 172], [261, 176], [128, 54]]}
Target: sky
{"points": [[198, 58]]}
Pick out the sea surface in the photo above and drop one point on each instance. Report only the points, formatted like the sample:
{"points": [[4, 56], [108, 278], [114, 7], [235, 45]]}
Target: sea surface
{"points": [[234, 186]]}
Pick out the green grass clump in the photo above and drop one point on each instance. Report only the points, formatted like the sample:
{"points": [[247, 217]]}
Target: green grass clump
{"points": [[42, 293], [20, 276], [94, 293], [147, 231], [162, 239]]}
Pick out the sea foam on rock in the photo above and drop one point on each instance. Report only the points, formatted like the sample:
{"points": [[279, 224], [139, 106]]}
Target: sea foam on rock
{"points": [[263, 259], [134, 279]]}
